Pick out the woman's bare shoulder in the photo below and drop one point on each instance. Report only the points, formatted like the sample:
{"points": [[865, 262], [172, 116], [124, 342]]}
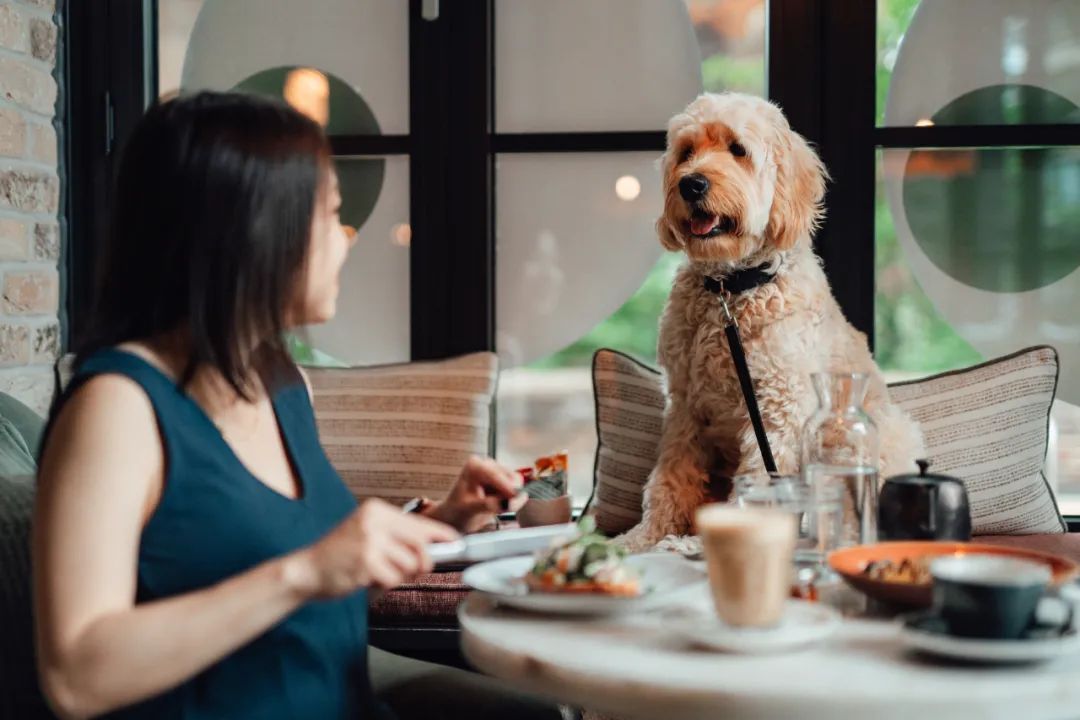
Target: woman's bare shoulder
{"points": [[109, 404], [106, 438], [108, 418]]}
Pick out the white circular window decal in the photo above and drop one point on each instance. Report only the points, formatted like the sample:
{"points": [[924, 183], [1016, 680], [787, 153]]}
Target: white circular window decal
{"points": [[574, 231], [992, 234], [360, 50]]}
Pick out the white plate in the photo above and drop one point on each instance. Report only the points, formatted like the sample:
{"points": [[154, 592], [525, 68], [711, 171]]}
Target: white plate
{"points": [[803, 623], [661, 575], [989, 651]]}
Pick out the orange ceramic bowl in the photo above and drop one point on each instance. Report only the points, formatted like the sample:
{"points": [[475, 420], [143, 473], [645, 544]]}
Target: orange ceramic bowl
{"points": [[850, 563]]}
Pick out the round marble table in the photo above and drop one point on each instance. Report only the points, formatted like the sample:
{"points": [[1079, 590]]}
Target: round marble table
{"points": [[630, 668]]}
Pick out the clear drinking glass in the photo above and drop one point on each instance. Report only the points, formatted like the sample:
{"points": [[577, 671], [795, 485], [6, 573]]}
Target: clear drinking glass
{"points": [[840, 454], [817, 516], [817, 513], [758, 489]]}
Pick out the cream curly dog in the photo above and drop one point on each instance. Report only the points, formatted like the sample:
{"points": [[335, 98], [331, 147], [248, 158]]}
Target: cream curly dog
{"points": [[742, 198]]}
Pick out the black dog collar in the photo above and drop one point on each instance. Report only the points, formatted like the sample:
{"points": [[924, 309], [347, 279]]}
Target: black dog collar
{"points": [[739, 281]]}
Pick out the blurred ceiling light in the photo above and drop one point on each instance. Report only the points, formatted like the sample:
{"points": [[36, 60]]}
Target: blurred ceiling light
{"points": [[402, 234], [627, 188], [308, 90], [924, 122]]}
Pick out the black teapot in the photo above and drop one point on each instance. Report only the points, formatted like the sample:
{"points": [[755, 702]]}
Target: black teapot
{"points": [[923, 507]]}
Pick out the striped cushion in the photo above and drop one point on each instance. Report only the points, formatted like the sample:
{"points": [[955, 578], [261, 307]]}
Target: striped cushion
{"points": [[402, 431], [629, 414], [987, 425]]}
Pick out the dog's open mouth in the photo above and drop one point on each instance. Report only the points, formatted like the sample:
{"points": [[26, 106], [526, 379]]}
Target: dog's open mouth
{"points": [[707, 225]]}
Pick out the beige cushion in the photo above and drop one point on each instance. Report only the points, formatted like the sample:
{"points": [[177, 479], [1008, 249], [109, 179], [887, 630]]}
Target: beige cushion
{"points": [[629, 415], [402, 431], [986, 425]]}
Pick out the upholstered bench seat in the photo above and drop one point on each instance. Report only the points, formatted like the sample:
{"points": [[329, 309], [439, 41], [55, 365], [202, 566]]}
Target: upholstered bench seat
{"points": [[430, 600]]}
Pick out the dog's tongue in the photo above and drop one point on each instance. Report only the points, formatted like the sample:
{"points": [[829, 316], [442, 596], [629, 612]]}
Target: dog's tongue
{"points": [[703, 224]]}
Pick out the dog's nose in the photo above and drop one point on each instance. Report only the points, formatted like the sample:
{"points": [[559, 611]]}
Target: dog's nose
{"points": [[692, 187]]}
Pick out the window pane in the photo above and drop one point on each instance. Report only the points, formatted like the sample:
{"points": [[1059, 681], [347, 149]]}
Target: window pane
{"points": [[984, 62], [372, 321], [731, 37], [977, 256], [363, 44], [548, 406], [176, 18], [579, 268], [601, 65], [575, 240]]}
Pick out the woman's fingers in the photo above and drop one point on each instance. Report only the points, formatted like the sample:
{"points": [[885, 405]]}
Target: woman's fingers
{"points": [[518, 501], [416, 543], [493, 477], [486, 506], [425, 529], [418, 533], [382, 573], [406, 559]]}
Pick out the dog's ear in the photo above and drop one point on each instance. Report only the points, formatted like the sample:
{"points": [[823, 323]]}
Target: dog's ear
{"points": [[666, 235], [797, 207]]}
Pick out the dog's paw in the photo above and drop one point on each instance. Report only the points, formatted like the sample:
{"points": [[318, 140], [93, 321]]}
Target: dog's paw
{"points": [[637, 540], [689, 545]]}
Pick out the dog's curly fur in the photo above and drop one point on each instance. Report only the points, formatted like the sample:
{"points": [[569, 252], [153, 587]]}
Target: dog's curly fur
{"points": [[764, 201]]}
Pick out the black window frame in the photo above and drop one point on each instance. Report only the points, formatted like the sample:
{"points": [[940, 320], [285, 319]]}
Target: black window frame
{"points": [[821, 57], [107, 64], [452, 146], [822, 71]]}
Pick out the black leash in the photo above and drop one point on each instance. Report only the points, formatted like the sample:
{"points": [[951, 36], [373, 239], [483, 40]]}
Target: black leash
{"points": [[744, 280]]}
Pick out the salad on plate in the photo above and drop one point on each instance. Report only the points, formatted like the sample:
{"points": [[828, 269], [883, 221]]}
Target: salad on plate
{"points": [[590, 563]]}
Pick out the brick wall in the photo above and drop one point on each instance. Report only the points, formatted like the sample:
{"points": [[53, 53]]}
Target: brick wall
{"points": [[29, 199]]}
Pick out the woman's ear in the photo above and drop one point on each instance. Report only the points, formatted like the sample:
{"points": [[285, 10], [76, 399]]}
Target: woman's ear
{"points": [[797, 207]]}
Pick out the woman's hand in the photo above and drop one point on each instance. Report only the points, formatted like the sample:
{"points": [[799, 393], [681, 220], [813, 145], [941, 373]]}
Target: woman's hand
{"points": [[483, 489], [377, 546]]}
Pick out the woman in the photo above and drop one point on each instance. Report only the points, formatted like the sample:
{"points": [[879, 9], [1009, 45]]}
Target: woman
{"points": [[196, 556]]}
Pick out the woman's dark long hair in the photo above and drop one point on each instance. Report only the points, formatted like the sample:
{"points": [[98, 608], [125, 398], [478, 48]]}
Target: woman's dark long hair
{"points": [[210, 229]]}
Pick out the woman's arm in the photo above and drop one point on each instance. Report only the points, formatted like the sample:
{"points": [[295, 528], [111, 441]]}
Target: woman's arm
{"points": [[101, 477]]}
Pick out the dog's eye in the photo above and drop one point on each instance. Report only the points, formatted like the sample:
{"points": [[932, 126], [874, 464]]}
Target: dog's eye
{"points": [[737, 149], [686, 154]]}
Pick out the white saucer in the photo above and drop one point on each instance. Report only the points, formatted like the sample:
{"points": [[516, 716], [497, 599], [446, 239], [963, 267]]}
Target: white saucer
{"points": [[662, 575], [988, 651], [803, 623]]}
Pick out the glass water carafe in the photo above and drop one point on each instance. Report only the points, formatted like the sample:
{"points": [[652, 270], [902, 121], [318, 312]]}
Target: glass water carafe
{"points": [[840, 453]]}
